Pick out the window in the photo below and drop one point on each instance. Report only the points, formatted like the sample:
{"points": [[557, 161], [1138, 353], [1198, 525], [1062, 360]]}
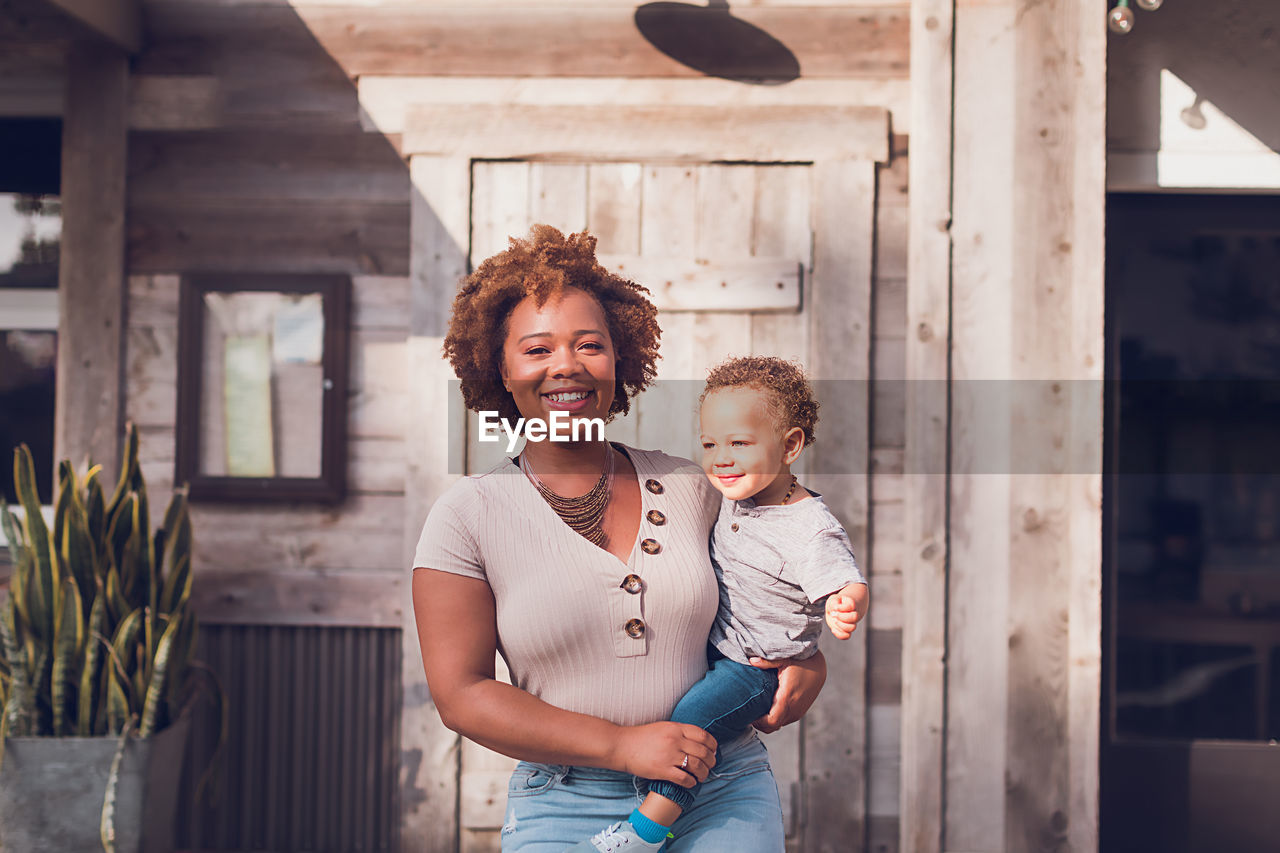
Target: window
{"points": [[30, 234]]}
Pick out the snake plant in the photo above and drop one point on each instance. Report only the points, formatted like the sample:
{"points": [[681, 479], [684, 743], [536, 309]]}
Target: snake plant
{"points": [[96, 635]]}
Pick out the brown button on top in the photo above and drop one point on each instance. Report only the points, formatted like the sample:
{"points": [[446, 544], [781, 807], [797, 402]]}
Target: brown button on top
{"points": [[650, 546], [655, 517], [653, 486], [734, 527], [634, 628], [632, 584]]}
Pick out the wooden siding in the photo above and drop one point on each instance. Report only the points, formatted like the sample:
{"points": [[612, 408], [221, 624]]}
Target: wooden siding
{"points": [[311, 756], [266, 137]]}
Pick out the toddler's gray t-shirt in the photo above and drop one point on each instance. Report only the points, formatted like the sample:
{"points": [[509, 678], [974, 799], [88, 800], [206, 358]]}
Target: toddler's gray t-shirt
{"points": [[776, 565]]}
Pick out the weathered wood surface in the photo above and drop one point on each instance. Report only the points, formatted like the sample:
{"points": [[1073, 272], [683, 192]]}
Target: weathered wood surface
{"points": [[385, 99], [371, 599], [1023, 686], [927, 341], [594, 40], [278, 235], [167, 167], [117, 22], [840, 358], [733, 282], [434, 454], [88, 417], [30, 92], [650, 132]]}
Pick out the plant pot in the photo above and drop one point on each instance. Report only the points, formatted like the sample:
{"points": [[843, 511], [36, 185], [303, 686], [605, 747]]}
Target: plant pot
{"points": [[52, 790]]}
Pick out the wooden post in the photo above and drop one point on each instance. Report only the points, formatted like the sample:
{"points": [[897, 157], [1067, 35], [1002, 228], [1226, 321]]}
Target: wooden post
{"points": [[88, 419], [440, 218], [1025, 521], [835, 729], [924, 580]]}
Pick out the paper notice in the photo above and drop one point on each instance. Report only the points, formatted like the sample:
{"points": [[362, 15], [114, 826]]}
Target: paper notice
{"points": [[247, 392], [299, 329]]}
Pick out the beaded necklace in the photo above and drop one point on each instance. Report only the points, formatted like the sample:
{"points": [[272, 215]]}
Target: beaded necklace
{"points": [[791, 490], [585, 513]]}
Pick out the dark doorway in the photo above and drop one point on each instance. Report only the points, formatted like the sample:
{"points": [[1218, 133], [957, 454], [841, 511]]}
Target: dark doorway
{"points": [[1191, 641]]}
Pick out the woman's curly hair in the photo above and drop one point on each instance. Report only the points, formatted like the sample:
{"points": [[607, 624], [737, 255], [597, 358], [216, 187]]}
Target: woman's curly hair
{"points": [[784, 382], [542, 266]]}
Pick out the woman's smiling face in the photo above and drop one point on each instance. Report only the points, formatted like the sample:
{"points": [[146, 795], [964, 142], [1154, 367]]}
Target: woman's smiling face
{"points": [[558, 356]]}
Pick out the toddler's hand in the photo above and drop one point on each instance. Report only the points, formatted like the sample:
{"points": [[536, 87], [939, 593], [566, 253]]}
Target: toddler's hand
{"points": [[842, 615]]}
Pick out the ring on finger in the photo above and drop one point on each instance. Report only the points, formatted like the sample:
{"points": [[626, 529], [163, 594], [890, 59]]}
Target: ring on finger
{"points": [[684, 765]]}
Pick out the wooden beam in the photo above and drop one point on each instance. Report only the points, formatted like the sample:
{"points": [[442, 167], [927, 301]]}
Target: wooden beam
{"points": [[91, 281], [119, 22], [924, 561], [589, 40], [385, 100], [748, 284], [1024, 614], [649, 133]]}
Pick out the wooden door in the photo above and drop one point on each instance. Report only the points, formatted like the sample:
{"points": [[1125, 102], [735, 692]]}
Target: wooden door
{"points": [[744, 225], [751, 241]]}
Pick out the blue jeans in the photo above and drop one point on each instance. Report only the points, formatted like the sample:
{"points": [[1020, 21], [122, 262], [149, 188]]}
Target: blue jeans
{"points": [[728, 699], [552, 807]]}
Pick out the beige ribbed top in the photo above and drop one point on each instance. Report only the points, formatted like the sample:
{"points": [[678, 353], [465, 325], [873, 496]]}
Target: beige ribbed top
{"points": [[561, 607]]}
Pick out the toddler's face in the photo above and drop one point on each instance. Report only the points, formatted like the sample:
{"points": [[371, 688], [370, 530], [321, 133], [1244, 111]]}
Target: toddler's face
{"points": [[741, 448]]}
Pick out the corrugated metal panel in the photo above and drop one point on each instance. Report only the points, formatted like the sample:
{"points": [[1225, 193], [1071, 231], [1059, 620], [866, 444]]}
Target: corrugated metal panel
{"points": [[310, 760]]}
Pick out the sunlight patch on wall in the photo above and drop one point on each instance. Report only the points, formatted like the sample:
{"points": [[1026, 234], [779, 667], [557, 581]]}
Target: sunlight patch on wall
{"points": [[1201, 146]]}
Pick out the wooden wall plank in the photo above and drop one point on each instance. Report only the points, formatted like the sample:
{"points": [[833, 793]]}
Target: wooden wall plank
{"points": [[89, 409], [716, 283], [597, 41], [385, 99], [1084, 507], [666, 415], [558, 195], [723, 220], [980, 512], [364, 598], [782, 226], [279, 235], [434, 454], [499, 210], [840, 350], [613, 217], [927, 342], [243, 164], [649, 132], [175, 102]]}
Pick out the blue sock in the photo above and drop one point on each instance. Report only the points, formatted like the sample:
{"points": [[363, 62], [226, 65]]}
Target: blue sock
{"points": [[650, 830]]}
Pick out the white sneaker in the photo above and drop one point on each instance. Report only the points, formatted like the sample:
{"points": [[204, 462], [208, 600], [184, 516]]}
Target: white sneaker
{"points": [[619, 837]]}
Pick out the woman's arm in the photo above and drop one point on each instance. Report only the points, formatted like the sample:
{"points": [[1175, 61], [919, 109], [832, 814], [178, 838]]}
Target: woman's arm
{"points": [[457, 630], [799, 683]]}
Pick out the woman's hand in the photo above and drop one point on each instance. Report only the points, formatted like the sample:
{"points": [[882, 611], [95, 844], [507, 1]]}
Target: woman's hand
{"points": [[799, 683], [658, 750]]}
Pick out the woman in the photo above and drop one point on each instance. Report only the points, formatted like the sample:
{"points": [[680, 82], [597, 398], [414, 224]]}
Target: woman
{"points": [[586, 564]]}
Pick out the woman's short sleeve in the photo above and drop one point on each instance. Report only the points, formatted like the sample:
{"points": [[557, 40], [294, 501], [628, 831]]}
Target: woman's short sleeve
{"points": [[448, 541]]}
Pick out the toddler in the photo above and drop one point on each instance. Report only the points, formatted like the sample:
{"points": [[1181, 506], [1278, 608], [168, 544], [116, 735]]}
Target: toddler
{"points": [[783, 562]]}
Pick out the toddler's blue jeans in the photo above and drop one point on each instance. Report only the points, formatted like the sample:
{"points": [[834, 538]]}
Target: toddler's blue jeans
{"points": [[728, 699]]}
